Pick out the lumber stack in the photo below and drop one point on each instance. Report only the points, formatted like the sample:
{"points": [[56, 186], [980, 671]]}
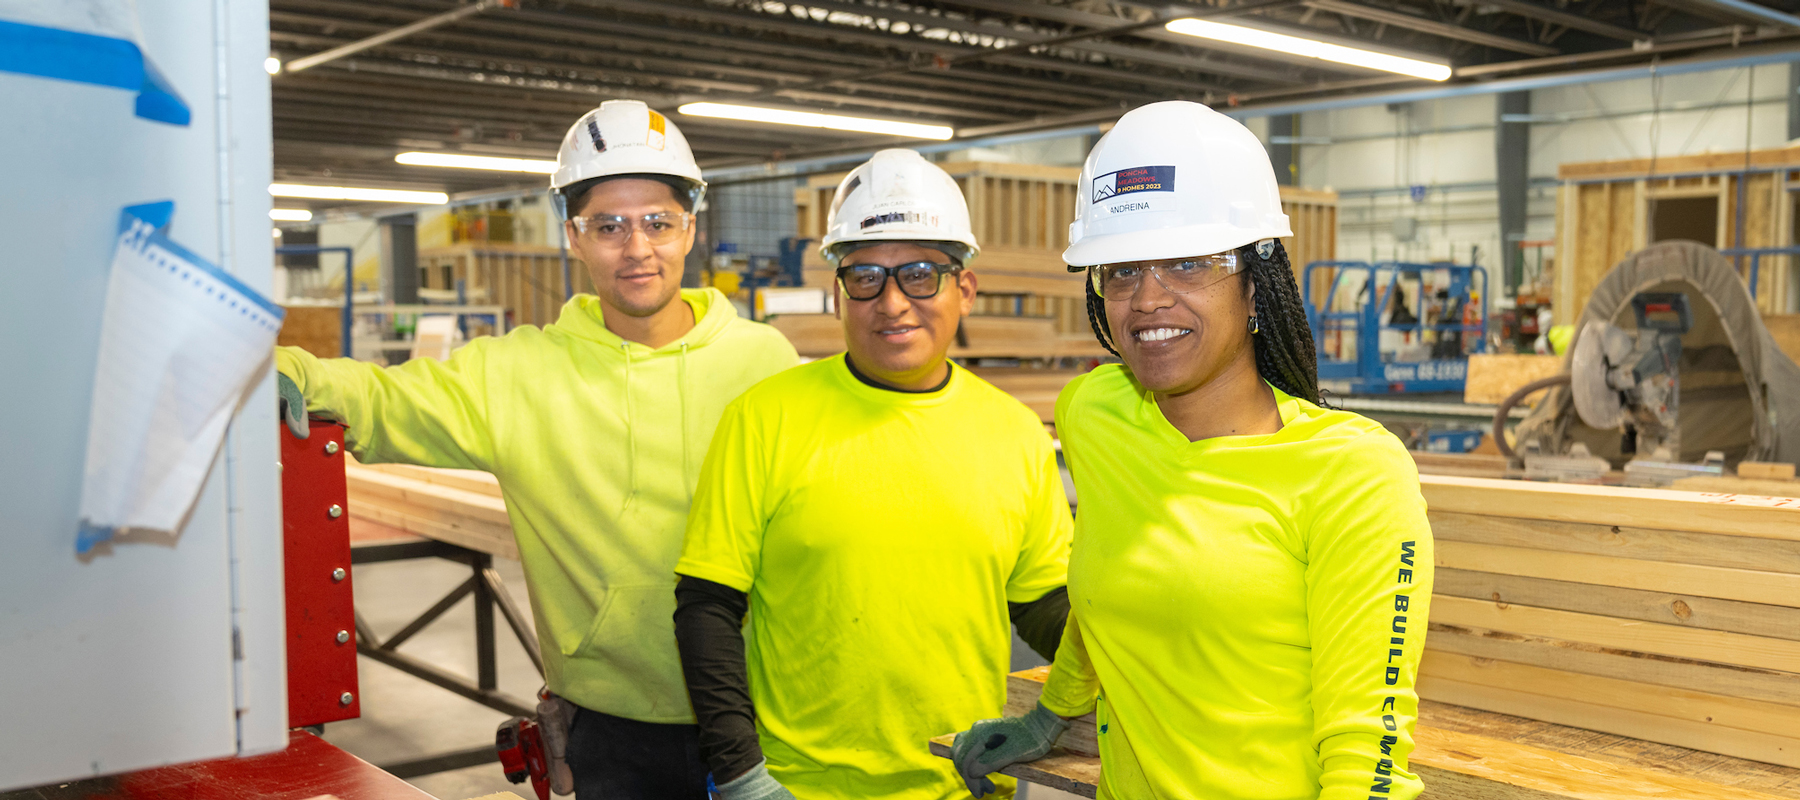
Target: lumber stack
{"points": [[1455, 765], [1666, 616], [461, 507], [1493, 377]]}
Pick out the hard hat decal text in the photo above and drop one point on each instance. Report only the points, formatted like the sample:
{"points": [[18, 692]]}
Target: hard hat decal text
{"points": [[594, 134], [900, 217], [1136, 179]]}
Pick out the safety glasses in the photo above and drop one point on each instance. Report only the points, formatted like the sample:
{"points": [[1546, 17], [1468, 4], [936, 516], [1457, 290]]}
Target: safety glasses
{"points": [[1178, 275], [920, 280], [658, 229]]}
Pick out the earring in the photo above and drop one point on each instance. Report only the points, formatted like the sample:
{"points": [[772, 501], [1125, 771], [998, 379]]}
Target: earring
{"points": [[1254, 327]]}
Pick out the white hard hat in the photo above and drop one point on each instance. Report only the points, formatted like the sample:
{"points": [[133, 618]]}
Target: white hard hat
{"points": [[624, 137], [898, 196], [1173, 179]]}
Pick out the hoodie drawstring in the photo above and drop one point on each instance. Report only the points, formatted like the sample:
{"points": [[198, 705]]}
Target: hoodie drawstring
{"points": [[681, 387], [631, 466]]}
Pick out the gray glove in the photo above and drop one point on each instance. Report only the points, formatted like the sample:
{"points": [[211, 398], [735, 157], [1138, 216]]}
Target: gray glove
{"points": [[993, 744], [757, 784], [292, 406]]}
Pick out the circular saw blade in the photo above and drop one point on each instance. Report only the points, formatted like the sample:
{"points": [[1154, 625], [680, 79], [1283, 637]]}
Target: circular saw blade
{"points": [[1598, 404]]}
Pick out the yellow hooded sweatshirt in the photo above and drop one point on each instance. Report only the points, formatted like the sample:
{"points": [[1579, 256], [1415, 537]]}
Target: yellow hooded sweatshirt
{"points": [[597, 443]]}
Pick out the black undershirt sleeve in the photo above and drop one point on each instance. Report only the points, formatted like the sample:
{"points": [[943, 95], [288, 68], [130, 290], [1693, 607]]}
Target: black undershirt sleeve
{"points": [[709, 619], [1040, 622]]}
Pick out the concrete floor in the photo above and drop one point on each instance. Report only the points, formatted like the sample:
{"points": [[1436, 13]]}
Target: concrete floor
{"points": [[406, 718]]}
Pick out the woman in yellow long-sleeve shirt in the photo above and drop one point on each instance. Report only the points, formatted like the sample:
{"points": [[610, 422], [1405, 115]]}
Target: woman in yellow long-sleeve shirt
{"points": [[1251, 571]]}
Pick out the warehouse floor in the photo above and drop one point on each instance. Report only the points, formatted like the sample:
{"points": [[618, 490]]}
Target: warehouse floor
{"points": [[404, 718]]}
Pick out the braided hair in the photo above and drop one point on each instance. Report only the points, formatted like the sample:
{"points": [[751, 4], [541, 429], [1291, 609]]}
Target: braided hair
{"points": [[1285, 354]]}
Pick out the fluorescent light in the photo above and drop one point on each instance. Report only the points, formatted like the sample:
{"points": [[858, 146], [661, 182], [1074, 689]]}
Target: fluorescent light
{"points": [[290, 215], [1268, 40], [418, 159], [810, 120], [354, 193], [272, 65]]}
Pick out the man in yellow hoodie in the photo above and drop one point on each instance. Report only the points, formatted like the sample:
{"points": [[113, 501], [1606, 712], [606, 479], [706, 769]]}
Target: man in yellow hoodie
{"points": [[596, 427]]}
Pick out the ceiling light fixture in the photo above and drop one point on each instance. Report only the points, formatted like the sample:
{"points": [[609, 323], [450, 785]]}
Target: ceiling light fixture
{"points": [[911, 130], [355, 193], [272, 65], [460, 161], [1325, 51], [290, 215]]}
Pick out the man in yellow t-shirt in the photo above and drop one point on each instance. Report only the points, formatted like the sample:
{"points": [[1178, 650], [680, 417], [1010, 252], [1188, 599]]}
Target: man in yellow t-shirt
{"points": [[880, 515]]}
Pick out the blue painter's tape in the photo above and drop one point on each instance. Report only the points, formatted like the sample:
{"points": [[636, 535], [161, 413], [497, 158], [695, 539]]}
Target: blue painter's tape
{"points": [[87, 58]]}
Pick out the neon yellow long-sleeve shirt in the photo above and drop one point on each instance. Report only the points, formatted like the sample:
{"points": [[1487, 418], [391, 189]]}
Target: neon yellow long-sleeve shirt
{"points": [[597, 443], [1248, 612]]}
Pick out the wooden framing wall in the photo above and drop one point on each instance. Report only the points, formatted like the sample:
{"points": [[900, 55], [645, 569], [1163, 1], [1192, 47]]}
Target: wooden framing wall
{"points": [[1603, 212], [526, 279]]}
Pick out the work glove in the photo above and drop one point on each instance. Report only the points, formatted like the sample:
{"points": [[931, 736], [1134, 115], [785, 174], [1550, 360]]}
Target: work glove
{"points": [[757, 784], [292, 406], [993, 744]]}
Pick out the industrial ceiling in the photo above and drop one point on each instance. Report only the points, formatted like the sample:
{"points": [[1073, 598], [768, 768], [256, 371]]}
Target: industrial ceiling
{"points": [[508, 77]]}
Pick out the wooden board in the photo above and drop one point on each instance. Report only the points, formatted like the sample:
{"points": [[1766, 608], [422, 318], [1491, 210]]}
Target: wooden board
{"points": [[1721, 647], [1785, 328], [1467, 465], [1738, 485], [1632, 168], [1649, 668], [1455, 765], [472, 519], [316, 329], [1765, 470], [1623, 541], [1692, 611], [1660, 509], [1492, 378], [1749, 586]]}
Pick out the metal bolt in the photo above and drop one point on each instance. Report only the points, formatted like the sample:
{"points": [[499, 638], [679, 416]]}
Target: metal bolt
{"points": [[334, 511], [343, 636], [345, 699], [337, 575], [331, 448]]}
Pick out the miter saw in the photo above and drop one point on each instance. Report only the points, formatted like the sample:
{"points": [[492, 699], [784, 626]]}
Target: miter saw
{"points": [[1629, 380]]}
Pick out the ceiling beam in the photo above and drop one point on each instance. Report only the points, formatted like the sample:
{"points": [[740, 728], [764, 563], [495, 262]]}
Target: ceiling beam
{"points": [[1546, 14], [301, 64], [1433, 27]]}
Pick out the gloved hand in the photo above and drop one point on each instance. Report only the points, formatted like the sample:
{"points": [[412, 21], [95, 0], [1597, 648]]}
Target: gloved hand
{"points": [[757, 784], [993, 744], [292, 406]]}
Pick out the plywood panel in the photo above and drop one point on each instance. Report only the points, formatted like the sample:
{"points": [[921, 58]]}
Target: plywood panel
{"points": [[1493, 377]]}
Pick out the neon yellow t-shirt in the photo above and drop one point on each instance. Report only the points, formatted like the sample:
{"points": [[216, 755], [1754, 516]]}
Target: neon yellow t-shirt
{"points": [[880, 536], [1250, 610]]}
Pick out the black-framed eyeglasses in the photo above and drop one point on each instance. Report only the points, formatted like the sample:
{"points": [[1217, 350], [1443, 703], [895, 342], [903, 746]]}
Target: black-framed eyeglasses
{"points": [[1177, 275], [920, 280]]}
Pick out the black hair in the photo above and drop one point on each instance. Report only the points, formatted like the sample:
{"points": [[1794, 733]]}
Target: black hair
{"points": [[575, 194], [1285, 354]]}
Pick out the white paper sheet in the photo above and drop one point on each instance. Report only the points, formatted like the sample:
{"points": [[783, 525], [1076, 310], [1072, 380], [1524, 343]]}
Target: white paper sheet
{"points": [[181, 343]]}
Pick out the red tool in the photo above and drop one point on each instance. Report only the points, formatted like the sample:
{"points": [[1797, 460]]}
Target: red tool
{"points": [[520, 744]]}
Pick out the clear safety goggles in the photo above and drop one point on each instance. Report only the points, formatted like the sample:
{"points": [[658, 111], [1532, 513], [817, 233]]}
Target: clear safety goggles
{"points": [[1177, 275], [615, 230]]}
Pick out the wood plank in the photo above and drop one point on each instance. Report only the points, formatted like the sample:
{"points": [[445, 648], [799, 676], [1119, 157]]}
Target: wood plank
{"points": [[369, 483], [1468, 465], [1749, 586], [1660, 509], [1720, 647], [1705, 708], [466, 479], [1765, 470], [1455, 765], [1023, 688], [1691, 611], [1627, 722], [1633, 168], [1755, 684], [1061, 770], [1706, 549], [463, 532], [1494, 377], [1727, 484]]}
